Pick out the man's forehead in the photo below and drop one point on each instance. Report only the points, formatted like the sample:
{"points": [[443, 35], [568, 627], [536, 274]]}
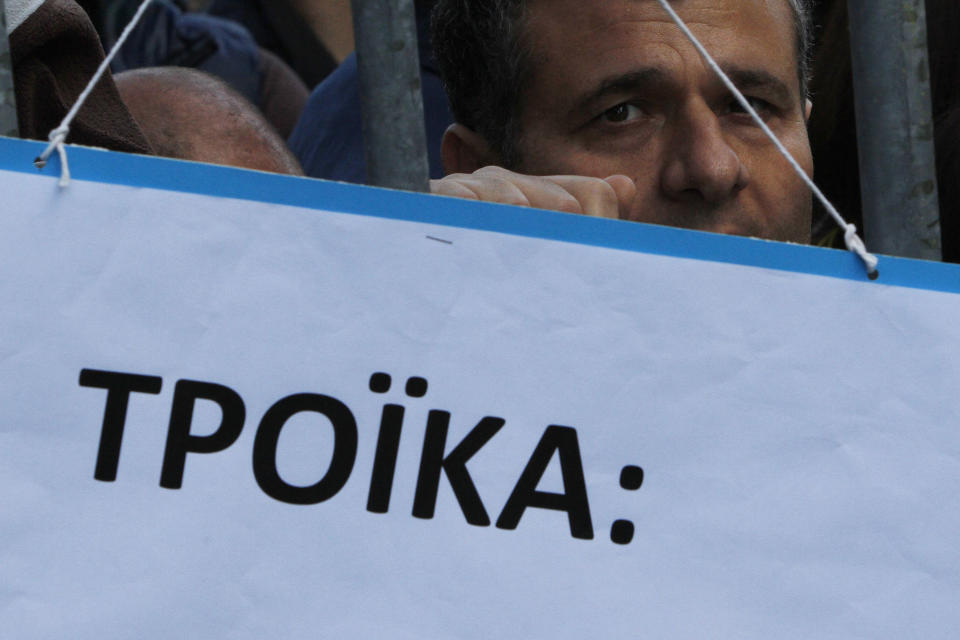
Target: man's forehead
{"points": [[590, 15], [605, 11], [678, 5], [604, 32]]}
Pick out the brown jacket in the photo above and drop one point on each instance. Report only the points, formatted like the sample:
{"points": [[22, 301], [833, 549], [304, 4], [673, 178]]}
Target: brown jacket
{"points": [[55, 52]]}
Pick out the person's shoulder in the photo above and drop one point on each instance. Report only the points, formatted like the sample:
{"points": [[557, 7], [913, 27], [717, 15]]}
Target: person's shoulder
{"points": [[333, 104], [328, 138]]}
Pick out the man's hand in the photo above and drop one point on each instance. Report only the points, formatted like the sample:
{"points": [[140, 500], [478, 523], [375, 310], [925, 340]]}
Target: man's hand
{"points": [[607, 198]]}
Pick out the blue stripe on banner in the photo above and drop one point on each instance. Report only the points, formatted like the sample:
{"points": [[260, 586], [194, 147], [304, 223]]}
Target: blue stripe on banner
{"points": [[160, 173]]}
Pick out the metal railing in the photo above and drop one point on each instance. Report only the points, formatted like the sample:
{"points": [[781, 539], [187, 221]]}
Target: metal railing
{"points": [[891, 80], [388, 63], [8, 100]]}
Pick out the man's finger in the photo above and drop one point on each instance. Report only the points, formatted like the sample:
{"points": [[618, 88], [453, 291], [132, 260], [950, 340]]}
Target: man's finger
{"points": [[476, 187], [609, 198], [452, 188], [626, 190], [597, 197], [544, 194], [537, 192]]}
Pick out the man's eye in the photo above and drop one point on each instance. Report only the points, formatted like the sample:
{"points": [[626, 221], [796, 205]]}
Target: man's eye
{"points": [[762, 107], [622, 113]]}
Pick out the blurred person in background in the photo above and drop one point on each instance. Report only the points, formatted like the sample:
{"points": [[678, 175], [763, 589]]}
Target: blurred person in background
{"points": [[192, 115], [312, 36], [170, 35]]}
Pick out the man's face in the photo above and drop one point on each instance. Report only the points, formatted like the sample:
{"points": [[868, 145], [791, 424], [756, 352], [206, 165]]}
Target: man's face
{"points": [[617, 88]]}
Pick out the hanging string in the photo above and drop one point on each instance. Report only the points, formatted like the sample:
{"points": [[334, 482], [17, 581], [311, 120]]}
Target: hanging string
{"points": [[59, 135], [850, 237]]}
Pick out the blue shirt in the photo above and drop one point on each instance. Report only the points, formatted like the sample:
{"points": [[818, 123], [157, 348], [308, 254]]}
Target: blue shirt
{"points": [[168, 36], [328, 139]]}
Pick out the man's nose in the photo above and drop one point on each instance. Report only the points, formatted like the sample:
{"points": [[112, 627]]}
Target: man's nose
{"points": [[699, 164]]}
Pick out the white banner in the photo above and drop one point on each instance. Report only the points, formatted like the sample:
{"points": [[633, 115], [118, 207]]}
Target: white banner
{"points": [[227, 418]]}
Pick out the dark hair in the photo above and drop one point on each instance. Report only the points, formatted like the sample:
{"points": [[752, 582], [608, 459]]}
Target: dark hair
{"points": [[484, 58], [803, 32]]}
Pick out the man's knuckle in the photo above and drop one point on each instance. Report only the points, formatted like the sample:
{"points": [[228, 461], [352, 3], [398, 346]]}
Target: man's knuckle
{"points": [[602, 191], [505, 191], [498, 184], [569, 204], [492, 171], [448, 187], [516, 198]]}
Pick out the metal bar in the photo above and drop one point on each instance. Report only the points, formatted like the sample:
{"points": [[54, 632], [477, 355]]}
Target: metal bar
{"points": [[394, 134], [891, 81], [8, 100]]}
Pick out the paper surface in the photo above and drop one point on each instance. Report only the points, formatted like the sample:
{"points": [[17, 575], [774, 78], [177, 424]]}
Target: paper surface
{"points": [[797, 433]]}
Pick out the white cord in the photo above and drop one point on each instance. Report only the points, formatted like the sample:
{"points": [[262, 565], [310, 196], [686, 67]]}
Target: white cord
{"points": [[59, 135], [850, 237]]}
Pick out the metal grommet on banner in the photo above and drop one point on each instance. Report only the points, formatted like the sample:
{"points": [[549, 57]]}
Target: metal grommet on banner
{"points": [[57, 137], [855, 244]]}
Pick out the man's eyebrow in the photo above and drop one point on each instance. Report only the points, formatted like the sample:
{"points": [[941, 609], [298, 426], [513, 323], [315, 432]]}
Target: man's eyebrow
{"points": [[637, 81], [650, 79], [758, 79]]}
